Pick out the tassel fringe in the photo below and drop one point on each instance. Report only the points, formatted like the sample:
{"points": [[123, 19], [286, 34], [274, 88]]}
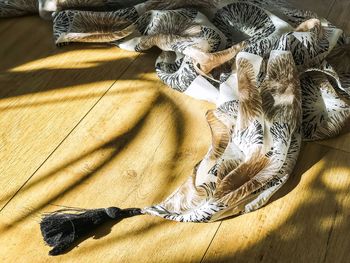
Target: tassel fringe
{"points": [[62, 228]]}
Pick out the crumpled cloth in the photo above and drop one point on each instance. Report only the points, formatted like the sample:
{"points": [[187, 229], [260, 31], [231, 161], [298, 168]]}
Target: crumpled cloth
{"points": [[277, 75]]}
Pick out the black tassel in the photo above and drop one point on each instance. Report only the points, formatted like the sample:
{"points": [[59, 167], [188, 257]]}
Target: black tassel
{"points": [[62, 228]]}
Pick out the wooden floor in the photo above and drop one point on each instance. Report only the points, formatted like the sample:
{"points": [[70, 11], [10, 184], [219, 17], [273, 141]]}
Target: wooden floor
{"points": [[92, 126]]}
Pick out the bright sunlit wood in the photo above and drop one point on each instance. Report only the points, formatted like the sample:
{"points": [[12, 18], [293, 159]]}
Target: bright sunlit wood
{"points": [[93, 126]]}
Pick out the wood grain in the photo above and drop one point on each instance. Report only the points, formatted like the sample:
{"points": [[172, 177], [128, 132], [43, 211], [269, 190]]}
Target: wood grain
{"points": [[339, 15], [135, 147], [70, 134], [341, 142], [306, 222], [44, 92]]}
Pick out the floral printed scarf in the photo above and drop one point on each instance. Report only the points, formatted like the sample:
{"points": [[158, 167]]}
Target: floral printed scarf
{"points": [[273, 71]]}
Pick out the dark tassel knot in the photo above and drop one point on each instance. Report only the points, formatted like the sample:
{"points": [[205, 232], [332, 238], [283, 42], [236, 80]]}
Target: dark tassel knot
{"points": [[62, 228]]}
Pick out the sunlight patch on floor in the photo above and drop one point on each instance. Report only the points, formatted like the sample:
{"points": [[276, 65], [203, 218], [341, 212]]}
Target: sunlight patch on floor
{"points": [[70, 94], [75, 59]]}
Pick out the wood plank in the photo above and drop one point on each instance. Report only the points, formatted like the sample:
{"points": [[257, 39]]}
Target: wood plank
{"points": [[20, 43], [339, 15], [44, 93], [97, 166], [136, 146], [341, 142], [5, 23], [306, 222]]}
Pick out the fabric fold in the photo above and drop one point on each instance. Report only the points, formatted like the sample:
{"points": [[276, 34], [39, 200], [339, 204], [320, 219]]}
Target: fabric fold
{"points": [[276, 74]]}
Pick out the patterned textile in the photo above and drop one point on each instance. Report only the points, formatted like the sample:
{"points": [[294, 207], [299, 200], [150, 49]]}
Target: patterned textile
{"points": [[274, 73]]}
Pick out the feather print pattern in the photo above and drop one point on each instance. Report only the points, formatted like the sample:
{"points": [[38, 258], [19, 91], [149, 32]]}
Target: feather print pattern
{"points": [[272, 70]]}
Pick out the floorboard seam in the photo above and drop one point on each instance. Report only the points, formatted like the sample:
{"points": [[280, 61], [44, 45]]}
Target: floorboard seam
{"points": [[69, 133], [211, 241], [330, 147]]}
